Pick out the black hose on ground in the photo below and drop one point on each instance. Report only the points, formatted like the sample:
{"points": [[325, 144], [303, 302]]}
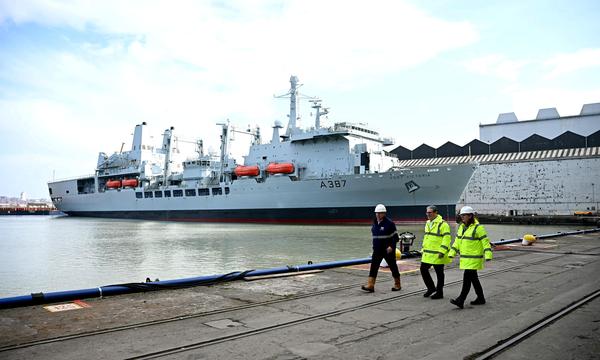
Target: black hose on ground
{"points": [[150, 286]]}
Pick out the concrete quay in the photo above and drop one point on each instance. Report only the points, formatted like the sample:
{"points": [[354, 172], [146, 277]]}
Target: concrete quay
{"points": [[325, 315]]}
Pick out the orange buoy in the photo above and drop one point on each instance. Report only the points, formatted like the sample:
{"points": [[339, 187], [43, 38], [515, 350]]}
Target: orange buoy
{"points": [[130, 183], [113, 184], [247, 170], [280, 168]]}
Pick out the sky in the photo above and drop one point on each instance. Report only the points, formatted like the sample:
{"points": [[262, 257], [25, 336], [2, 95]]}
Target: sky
{"points": [[77, 76]]}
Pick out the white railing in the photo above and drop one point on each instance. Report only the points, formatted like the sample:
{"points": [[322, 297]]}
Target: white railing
{"points": [[71, 178]]}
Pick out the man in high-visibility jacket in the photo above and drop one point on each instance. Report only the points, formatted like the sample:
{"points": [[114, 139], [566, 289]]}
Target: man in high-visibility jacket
{"points": [[436, 245], [474, 247]]}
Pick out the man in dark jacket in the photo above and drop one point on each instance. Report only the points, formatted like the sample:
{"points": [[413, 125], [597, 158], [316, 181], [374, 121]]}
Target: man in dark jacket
{"points": [[385, 238]]}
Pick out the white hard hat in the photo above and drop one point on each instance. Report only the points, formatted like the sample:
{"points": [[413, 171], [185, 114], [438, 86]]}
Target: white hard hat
{"points": [[466, 210], [380, 208]]}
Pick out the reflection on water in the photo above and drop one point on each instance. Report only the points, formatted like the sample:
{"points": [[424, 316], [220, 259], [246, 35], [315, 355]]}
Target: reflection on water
{"points": [[46, 253]]}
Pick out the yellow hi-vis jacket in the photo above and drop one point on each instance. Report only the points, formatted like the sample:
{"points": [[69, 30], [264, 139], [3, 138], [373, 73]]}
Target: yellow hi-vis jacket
{"points": [[473, 245], [436, 241]]}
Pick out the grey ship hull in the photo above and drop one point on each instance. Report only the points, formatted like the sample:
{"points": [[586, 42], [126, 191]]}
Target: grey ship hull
{"points": [[279, 199]]}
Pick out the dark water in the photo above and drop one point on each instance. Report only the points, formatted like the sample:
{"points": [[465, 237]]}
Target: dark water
{"points": [[48, 253]]}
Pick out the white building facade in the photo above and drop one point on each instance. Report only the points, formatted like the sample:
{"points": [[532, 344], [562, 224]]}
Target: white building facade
{"points": [[548, 123]]}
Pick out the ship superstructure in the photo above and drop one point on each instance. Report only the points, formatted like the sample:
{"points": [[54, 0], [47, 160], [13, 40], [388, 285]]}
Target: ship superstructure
{"points": [[323, 174]]}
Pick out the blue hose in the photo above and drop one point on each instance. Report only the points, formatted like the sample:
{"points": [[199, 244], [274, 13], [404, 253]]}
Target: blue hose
{"points": [[58, 296], [547, 236]]}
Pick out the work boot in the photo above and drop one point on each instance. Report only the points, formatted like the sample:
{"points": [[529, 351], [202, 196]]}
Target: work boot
{"points": [[478, 301], [438, 295], [428, 292], [370, 287], [458, 302], [397, 284]]}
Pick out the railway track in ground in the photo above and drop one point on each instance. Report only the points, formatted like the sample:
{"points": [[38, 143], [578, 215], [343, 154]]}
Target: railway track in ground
{"points": [[221, 339], [217, 340], [524, 334]]}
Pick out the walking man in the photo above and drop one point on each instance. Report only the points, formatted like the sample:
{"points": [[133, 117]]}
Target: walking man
{"points": [[385, 238], [436, 244], [474, 246]]}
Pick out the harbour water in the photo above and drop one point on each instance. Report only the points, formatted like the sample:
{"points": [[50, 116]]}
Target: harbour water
{"points": [[53, 253]]}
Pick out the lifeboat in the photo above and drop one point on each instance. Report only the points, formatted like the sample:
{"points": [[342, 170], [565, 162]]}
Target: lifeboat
{"points": [[113, 184], [247, 170], [130, 183], [280, 168]]}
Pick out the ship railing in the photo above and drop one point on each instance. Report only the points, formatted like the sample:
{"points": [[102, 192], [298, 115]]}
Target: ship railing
{"points": [[72, 178]]}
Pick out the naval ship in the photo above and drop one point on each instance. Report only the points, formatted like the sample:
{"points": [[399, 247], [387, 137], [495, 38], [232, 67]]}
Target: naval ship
{"points": [[318, 175]]}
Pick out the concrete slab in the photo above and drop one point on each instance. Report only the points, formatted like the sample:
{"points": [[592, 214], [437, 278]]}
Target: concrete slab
{"points": [[223, 323], [404, 266], [582, 324]]}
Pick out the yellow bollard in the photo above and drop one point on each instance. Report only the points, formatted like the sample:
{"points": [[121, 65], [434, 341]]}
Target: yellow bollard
{"points": [[528, 239]]}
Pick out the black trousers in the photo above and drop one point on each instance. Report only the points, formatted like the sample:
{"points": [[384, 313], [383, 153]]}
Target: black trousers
{"points": [[470, 277], [390, 259], [439, 272]]}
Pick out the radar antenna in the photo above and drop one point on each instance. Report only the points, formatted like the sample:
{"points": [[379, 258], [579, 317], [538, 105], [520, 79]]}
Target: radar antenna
{"points": [[319, 110], [294, 96]]}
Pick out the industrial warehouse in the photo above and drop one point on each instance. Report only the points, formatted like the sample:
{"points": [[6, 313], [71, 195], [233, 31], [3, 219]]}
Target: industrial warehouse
{"points": [[546, 166]]}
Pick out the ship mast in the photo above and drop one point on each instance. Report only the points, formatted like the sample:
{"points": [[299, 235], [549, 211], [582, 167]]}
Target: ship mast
{"points": [[318, 112], [294, 96], [293, 104], [167, 138], [224, 145]]}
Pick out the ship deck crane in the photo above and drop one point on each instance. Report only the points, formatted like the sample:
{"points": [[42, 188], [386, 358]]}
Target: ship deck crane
{"points": [[226, 129]]}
